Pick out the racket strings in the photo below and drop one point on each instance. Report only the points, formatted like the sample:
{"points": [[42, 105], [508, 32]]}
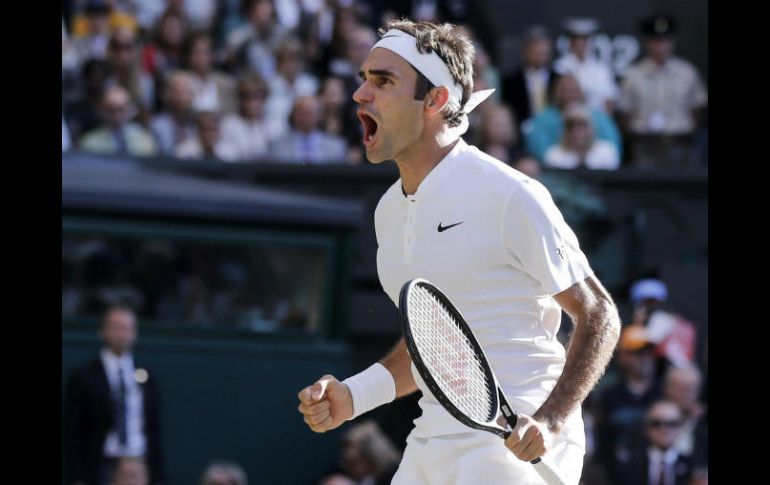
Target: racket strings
{"points": [[449, 355]]}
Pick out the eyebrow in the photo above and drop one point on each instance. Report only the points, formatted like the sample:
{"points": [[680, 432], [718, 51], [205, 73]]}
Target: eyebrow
{"points": [[378, 72]]}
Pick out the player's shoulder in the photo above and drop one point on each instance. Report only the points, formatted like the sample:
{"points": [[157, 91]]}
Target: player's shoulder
{"points": [[482, 168]]}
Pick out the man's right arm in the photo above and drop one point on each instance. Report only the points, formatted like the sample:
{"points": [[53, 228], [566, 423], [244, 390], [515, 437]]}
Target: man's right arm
{"points": [[328, 402]]}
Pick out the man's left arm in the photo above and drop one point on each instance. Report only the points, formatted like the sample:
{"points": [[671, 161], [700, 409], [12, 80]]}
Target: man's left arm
{"points": [[597, 329]]}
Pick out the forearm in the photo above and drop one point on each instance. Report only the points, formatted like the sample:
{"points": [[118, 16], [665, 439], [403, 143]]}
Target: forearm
{"points": [[399, 364], [590, 350]]}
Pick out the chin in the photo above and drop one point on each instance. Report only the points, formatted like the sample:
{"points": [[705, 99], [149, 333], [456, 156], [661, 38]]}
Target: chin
{"points": [[375, 158]]}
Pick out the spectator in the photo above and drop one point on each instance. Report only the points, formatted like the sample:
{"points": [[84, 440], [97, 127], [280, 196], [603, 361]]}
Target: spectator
{"points": [[96, 14], [546, 128], [177, 123], [91, 41], [497, 133], [208, 143], [662, 100], [682, 385], [658, 461], [252, 45], [118, 135], [124, 62], [166, 51], [579, 147], [306, 143], [111, 408], [596, 78], [528, 165], [66, 141], [83, 113], [130, 471], [359, 41], [248, 133], [527, 90], [223, 472], [368, 457], [675, 338], [290, 80], [214, 91], [622, 405]]}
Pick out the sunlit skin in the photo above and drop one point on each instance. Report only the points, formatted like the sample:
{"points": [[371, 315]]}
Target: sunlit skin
{"points": [[396, 126]]}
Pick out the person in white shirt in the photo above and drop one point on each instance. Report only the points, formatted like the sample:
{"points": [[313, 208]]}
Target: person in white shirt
{"points": [[596, 78], [579, 147], [249, 133], [505, 257]]}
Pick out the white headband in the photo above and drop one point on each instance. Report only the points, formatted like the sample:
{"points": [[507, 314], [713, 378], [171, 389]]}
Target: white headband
{"points": [[431, 66]]}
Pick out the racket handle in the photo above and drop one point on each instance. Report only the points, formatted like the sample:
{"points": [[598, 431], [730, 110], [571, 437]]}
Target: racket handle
{"points": [[547, 473]]}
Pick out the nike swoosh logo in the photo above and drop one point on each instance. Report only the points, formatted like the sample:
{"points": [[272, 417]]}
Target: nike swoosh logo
{"points": [[450, 226]]}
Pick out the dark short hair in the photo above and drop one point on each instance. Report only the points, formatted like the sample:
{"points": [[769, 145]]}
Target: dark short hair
{"points": [[453, 46], [116, 307]]}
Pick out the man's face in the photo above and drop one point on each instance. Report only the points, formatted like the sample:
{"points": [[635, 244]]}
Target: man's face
{"points": [[392, 118], [119, 331], [130, 472], [567, 91], [578, 44], [306, 114], [637, 363], [200, 55], [659, 48], [538, 53], [683, 387], [116, 106], [180, 94], [663, 424]]}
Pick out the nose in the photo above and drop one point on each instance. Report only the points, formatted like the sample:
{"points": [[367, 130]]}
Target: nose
{"points": [[363, 94]]}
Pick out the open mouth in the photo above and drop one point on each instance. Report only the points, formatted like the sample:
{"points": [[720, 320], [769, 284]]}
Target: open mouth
{"points": [[370, 128]]}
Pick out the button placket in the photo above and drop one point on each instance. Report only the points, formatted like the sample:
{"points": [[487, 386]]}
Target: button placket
{"points": [[409, 233]]}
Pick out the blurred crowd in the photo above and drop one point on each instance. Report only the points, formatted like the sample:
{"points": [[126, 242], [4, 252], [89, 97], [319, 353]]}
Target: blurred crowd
{"points": [[261, 80]]}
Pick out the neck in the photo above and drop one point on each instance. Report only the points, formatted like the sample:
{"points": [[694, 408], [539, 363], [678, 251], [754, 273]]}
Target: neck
{"points": [[415, 163]]}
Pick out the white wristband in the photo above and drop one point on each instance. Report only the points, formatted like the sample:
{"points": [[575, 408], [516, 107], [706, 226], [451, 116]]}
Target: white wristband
{"points": [[371, 388]]}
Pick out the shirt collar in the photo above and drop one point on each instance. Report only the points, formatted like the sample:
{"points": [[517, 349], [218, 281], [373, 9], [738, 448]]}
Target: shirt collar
{"points": [[441, 170], [114, 362], [669, 456]]}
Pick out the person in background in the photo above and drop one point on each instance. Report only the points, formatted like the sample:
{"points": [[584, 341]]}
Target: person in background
{"points": [[682, 385], [130, 471], [497, 133], [248, 133], [125, 68], [165, 51], [214, 91], [622, 405], [657, 461], [111, 412], [221, 472], [208, 144], [291, 80], [367, 457], [118, 135], [306, 143], [527, 90], [546, 128], [176, 124], [596, 78], [578, 147], [662, 101]]}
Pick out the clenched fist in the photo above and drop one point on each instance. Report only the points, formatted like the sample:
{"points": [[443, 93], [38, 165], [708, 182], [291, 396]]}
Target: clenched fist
{"points": [[326, 404]]}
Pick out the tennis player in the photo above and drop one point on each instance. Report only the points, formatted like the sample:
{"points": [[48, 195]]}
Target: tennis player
{"points": [[492, 239]]}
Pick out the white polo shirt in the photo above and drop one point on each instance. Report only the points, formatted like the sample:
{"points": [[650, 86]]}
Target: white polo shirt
{"points": [[493, 240]]}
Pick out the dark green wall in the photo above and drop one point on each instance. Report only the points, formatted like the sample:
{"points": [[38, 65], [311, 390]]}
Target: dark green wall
{"points": [[232, 399]]}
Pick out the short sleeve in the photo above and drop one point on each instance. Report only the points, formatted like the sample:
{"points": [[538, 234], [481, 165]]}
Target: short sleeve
{"points": [[539, 242]]}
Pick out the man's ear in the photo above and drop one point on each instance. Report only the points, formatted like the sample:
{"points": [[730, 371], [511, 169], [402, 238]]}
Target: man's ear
{"points": [[437, 99]]}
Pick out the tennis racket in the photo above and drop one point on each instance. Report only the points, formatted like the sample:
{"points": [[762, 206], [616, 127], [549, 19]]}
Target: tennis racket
{"points": [[453, 365]]}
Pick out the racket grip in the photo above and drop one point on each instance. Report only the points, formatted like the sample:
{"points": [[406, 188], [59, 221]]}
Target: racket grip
{"points": [[547, 473]]}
